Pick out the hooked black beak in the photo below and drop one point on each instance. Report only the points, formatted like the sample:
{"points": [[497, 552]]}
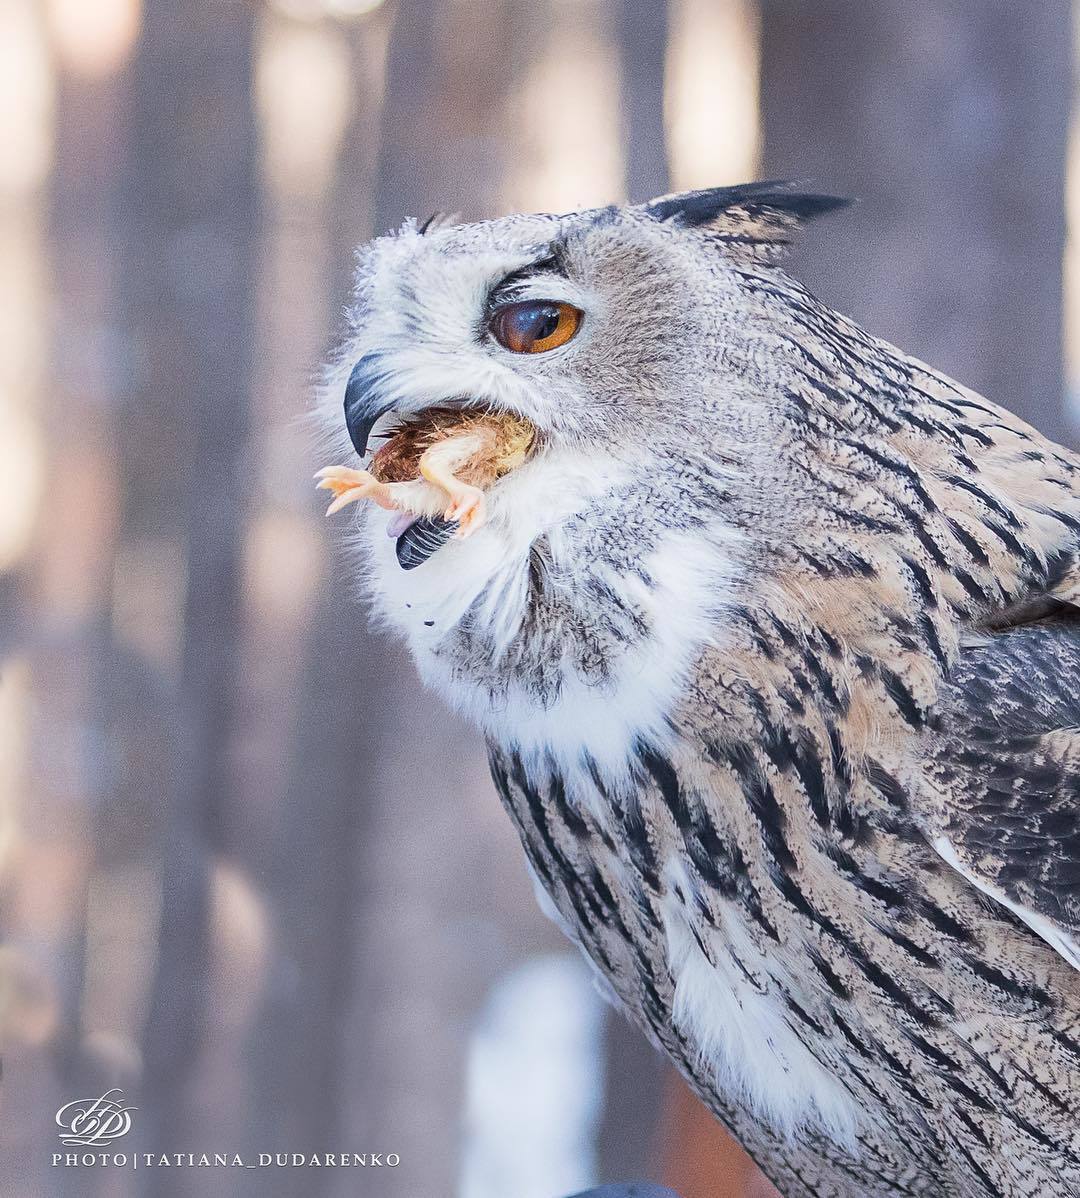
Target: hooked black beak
{"points": [[363, 404]]}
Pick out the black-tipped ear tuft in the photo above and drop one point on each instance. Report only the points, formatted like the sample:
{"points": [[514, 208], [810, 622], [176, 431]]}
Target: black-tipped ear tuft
{"points": [[759, 217], [693, 208]]}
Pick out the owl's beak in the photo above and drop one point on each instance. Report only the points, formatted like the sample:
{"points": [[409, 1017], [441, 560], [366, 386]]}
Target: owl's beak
{"points": [[363, 402]]}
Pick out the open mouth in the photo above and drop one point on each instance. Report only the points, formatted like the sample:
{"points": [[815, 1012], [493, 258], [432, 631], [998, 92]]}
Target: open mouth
{"points": [[433, 470]]}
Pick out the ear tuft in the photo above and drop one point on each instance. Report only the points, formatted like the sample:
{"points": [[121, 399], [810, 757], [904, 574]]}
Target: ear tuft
{"points": [[759, 219]]}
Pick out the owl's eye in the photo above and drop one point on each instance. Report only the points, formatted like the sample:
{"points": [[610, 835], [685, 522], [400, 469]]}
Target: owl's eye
{"points": [[533, 326]]}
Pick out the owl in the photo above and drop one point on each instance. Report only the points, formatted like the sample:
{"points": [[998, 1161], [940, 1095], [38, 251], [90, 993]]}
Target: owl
{"points": [[772, 634]]}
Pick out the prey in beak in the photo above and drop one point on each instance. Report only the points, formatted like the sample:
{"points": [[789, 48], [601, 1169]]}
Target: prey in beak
{"points": [[433, 470]]}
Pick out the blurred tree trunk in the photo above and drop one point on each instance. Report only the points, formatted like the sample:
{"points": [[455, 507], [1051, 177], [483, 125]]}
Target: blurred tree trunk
{"points": [[642, 42], [949, 123], [190, 215], [448, 74], [76, 668]]}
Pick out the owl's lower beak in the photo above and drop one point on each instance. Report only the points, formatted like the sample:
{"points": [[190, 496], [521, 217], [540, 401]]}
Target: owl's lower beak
{"points": [[363, 403]]}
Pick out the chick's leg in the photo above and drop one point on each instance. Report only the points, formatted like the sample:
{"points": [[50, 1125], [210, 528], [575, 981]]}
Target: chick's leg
{"points": [[466, 502], [350, 486]]}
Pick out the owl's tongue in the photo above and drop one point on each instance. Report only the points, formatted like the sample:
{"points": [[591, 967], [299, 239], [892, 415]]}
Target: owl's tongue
{"points": [[399, 522]]}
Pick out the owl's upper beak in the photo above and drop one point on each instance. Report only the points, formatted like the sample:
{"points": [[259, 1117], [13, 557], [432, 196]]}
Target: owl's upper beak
{"points": [[364, 403]]}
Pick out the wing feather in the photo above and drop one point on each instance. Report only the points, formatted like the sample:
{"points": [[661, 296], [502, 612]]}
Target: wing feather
{"points": [[1004, 767]]}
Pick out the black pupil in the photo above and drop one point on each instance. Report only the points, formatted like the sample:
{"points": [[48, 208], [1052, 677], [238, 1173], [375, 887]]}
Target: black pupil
{"points": [[535, 322]]}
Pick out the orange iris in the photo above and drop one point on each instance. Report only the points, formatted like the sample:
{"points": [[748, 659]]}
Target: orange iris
{"points": [[534, 326]]}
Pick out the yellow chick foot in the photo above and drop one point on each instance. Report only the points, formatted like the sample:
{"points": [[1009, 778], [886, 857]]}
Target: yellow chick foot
{"points": [[467, 508], [351, 486]]}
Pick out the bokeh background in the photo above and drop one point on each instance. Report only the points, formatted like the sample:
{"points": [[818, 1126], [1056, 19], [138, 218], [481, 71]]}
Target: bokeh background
{"points": [[250, 872]]}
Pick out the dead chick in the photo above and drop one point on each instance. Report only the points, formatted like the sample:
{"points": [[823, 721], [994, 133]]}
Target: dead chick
{"points": [[437, 463]]}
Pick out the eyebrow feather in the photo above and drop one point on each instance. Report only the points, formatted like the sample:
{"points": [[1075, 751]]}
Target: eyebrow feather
{"points": [[550, 264]]}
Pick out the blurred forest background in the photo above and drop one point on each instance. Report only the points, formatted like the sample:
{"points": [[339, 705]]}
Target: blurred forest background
{"points": [[250, 872]]}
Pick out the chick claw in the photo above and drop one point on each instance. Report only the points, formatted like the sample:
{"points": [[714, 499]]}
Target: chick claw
{"points": [[467, 508], [350, 486]]}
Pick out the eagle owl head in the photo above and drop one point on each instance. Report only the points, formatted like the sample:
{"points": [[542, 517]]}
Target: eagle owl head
{"points": [[638, 342], [604, 327]]}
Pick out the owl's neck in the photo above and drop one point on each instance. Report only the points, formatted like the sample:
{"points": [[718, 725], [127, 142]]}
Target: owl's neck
{"points": [[603, 646]]}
